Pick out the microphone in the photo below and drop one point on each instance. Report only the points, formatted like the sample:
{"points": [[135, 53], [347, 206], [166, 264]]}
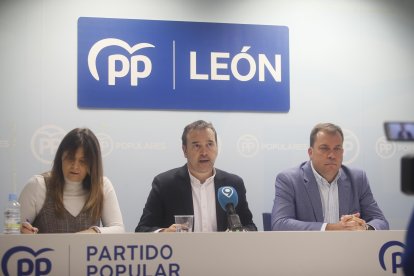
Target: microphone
{"points": [[228, 199]]}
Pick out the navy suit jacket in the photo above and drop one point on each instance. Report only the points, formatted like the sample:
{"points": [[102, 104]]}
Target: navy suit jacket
{"points": [[298, 206], [171, 195]]}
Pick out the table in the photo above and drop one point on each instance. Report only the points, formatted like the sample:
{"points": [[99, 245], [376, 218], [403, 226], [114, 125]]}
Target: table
{"points": [[198, 254]]}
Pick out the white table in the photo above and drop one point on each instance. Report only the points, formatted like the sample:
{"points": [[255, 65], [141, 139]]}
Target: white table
{"points": [[198, 254]]}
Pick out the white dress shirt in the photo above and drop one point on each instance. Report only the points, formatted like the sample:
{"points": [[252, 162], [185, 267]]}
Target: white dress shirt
{"points": [[204, 204], [329, 198]]}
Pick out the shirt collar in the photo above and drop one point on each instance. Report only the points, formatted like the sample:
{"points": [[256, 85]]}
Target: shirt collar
{"points": [[321, 179], [194, 180]]}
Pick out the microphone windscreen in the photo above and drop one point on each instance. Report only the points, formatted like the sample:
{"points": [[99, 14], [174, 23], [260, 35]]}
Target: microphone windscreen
{"points": [[226, 195]]}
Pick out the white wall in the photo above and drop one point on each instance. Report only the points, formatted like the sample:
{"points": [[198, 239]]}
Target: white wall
{"points": [[351, 63]]}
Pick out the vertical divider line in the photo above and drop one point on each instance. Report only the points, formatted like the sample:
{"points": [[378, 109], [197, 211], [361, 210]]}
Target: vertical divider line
{"points": [[173, 64], [69, 257]]}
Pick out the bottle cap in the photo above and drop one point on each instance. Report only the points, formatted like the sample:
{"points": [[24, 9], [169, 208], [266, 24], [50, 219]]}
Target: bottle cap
{"points": [[12, 197]]}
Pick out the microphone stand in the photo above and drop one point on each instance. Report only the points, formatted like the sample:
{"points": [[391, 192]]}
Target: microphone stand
{"points": [[233, 219]]}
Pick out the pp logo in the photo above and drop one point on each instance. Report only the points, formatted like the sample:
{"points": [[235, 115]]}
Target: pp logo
{"points": [[26, 261], [127, 65], [396, 255], [351, 147], [106, 143], [45, 142], [248, 145], [385, 149]]}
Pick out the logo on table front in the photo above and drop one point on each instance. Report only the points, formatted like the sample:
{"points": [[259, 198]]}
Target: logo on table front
{"points": [[393, 251], [26, 261], [130, 65]]}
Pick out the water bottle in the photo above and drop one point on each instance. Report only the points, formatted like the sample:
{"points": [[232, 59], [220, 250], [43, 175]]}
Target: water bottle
{"points": [[12, 216]]}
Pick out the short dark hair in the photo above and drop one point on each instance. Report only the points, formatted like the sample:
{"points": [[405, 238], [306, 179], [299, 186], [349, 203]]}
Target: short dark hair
{"points": [[325, 127], [200, 124]]}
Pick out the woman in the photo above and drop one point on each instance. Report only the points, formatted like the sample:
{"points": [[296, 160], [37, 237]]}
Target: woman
{"points": [[74, 196]]}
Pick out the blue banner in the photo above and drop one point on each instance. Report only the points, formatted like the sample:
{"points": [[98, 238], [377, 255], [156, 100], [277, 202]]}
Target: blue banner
{"points": [[172, 65]]}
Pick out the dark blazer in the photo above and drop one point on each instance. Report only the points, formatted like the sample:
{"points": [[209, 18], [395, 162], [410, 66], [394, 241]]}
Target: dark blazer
{"points": [[298, 206], [171, 195]]}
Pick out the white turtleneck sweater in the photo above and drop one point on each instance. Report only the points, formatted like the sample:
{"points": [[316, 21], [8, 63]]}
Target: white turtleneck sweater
{"points": [[74, 197]]}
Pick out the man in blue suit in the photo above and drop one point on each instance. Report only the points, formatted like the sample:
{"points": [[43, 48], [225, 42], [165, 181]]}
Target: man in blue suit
{"points": [[322, 194]]}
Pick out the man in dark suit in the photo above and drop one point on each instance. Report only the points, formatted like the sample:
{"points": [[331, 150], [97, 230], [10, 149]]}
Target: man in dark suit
{"points": [[322, 194], [192, 188]]}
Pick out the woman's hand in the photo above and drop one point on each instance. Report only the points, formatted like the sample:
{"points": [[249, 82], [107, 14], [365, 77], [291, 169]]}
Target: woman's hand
{"points": [[27, 228]]}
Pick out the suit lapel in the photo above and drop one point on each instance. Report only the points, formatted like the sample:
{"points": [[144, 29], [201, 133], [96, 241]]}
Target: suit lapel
{"points": [[313, 191], [220, 214], [344, 193], [186, 191]]}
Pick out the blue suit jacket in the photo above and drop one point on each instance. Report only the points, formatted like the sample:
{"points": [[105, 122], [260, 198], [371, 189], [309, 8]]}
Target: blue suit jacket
{"points": [[171, 195], [298, 206]]}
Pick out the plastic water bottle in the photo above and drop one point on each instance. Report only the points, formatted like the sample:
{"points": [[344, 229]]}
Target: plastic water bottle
{"points": [[12, 216]]}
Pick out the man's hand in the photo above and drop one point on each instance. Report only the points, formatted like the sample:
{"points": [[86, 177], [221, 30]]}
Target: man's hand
{"points": [[348, 223], [172, 228]]}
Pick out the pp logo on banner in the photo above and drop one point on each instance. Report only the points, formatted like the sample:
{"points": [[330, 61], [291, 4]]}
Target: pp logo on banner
{"points": [[395, 250], [22, 260], [150, 64], [127, 66]]}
